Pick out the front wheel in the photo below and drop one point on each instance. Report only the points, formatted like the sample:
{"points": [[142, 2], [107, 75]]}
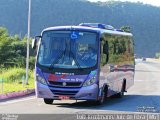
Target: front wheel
{"points": [[48, 101], [102, 99]]}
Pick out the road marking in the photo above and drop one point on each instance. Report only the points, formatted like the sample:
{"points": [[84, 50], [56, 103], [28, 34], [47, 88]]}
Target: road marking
{"points": [[139, 80], [15, 101]]}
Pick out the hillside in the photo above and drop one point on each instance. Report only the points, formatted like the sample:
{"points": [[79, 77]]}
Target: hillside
{"points": [[143, 19]]}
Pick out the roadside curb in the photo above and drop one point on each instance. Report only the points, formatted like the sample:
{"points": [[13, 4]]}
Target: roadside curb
{"points": [[16, 94]]}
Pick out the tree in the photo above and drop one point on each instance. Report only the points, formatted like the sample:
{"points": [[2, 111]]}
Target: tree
{"points": [[126, 29], [13, 50], [158, 55], [5, 47]]}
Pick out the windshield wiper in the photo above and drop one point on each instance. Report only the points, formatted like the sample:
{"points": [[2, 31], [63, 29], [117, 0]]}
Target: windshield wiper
{"points": [[74, 58], [56, 59], [63, 54], [59, 57]]}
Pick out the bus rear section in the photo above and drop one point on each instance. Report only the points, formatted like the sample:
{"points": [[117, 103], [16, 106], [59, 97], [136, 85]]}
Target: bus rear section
{"points": [[117, 64], [74, 63]]}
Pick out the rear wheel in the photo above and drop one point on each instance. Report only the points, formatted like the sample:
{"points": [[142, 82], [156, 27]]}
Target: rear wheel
{"points": [[121, 94], [48, 101]]}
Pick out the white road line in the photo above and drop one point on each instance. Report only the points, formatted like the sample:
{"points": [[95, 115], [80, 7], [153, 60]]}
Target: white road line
{"points": [[15, 101], [139, 80]]}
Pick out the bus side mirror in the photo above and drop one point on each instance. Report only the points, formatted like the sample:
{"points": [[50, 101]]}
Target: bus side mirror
{"points": [[34, 42], [105, 48]]}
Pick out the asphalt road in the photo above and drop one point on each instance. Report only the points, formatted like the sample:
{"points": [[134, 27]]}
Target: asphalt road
{"points": [[143, 96]]}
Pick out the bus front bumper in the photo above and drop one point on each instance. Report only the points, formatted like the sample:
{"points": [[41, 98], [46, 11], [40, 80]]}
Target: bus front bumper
{"points": [[83, 93]]}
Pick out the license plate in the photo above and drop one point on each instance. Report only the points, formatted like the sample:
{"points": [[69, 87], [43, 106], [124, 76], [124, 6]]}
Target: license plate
{"points": [[63, 97]]}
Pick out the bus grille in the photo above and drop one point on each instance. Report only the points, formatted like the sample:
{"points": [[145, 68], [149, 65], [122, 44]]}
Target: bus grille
{"points": [[67, 84], [62, 92]]}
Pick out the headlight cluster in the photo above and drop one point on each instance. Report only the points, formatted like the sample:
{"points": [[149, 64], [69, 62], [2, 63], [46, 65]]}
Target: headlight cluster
{"points": [[40, 79], [90, 82]]}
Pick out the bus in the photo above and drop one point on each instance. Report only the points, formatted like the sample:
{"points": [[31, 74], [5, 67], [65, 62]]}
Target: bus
{"points": [[90, 61]]}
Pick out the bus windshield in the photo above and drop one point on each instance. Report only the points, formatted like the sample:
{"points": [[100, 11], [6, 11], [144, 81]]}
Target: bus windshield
{"points": [[68, 49]]}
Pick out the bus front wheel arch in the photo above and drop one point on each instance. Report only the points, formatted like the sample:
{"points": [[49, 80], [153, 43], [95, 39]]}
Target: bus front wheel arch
{"points": [[103, 95]]}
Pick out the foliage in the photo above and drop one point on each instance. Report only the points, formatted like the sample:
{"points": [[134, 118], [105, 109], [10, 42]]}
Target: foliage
{"points": [[10, 87], [158, 55], [13, 50], [15, 74], [126, 29], [12, 80], [32, 62], [5, 49]]}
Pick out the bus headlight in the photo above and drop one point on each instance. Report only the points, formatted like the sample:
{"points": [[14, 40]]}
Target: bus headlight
{"points": [[40, 79], [90, 81]]}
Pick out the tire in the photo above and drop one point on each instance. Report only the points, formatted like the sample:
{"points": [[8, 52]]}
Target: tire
{"points": [[48, 101], [121, 94], [103, 98]]}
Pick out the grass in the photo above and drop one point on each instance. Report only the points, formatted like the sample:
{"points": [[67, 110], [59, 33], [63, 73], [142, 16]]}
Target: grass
{"points": [[15, 87], [12, 80]]}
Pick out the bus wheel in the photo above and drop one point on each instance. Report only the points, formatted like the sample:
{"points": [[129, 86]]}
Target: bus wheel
{"points": [[102, 99], [48, 101], [121, 94]]}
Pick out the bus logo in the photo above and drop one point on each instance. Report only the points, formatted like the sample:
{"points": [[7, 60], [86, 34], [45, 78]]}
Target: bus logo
{"points": [[64, 83]]}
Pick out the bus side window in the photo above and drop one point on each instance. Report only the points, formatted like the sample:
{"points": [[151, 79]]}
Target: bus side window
{"points": [[104, 52]]}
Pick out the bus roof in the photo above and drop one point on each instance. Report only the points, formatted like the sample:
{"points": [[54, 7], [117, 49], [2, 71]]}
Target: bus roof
{"points": [[89, 29]]}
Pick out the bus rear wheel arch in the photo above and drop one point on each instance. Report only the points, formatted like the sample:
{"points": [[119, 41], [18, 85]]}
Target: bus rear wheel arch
{"points": [[123, 89]]}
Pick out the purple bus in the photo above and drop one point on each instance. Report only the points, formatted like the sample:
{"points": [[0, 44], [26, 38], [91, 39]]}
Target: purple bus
{"points": [[90, 61]]}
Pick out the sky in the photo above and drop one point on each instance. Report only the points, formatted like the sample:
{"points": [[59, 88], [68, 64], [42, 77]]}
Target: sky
{"points": [[152, 2]]}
